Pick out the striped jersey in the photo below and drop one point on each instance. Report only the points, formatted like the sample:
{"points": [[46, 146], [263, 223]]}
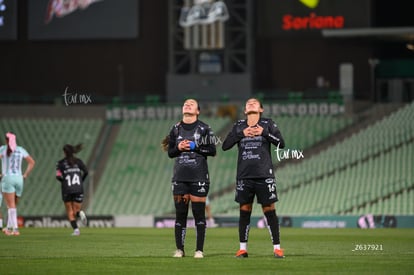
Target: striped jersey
{"points": [[12, 165]]}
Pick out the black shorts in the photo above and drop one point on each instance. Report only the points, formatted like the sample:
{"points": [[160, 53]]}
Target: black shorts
{"points": [[198, 189], [76, 197], [263, 189]]}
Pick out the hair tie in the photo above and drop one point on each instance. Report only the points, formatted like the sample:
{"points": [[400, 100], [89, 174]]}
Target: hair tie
{"points": [[12, 141]]}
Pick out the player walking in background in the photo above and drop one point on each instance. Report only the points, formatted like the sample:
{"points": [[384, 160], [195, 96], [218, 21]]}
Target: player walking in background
{"points": [[210, 219], [190, 143], [71, 172], [255, 176], [13, 180]]}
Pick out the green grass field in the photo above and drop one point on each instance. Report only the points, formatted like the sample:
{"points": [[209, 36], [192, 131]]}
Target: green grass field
{"points": [[149, 251]]}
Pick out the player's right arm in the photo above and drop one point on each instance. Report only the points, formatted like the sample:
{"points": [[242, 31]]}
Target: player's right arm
{"points": [[174, 149], [232, 138], [83, 168]]}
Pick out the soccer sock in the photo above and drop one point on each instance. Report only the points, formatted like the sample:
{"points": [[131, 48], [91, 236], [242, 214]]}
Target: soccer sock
{"points": [[273, 226], [1, 223], [180, 228], [199, 214], [244, 228], [12, 218], [74, 224]]}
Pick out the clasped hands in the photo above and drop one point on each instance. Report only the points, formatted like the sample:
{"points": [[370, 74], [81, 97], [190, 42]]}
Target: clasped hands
{"points": [[252, 131]]}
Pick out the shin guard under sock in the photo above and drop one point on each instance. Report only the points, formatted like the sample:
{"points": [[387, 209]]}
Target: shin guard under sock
{"points": [[273, 226], [244, 226], [199, 213], [181, 213]]}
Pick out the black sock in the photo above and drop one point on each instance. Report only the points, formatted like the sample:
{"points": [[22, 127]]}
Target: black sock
{"points": [[244, 226], [199, 213], [273, 226], [181, 213], [74, 224]]}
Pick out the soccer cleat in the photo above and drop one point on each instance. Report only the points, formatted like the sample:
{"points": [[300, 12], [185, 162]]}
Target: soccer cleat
{"points": [[83, 218], [279, 253], [179, 253], [76, 232], [15, 232], [198, 254], [242, 254]]}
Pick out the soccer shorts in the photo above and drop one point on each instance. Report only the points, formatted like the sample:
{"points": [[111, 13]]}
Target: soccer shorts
{"points": [[12, 184], [198, 189], [263, 189], [76, 197]]}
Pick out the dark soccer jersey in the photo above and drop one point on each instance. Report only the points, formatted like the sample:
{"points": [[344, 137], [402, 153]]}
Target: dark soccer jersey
{"points": [[191, 166], [71, 177], [254, 158]]}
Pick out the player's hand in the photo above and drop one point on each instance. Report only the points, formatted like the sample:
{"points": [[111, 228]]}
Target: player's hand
{"points": [[184, 145], [253, 131], [248, 132], [257, 130]]}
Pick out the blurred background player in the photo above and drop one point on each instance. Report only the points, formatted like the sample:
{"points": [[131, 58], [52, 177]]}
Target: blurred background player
{"points": [[13, 180], [255, 177], [71, 172], [1, 211], [189, 142], [210, 219]]}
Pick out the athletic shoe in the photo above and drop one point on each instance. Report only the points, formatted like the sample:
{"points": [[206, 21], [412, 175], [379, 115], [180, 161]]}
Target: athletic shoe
{"points": [[198, 254], [179, 253], [76, 232], [83, 218], [242, 254], [211, 223], [279, 253], [15, 232], [7, 232]]}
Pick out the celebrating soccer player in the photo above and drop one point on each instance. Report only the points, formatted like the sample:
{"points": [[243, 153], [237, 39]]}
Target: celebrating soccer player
{"points": [[255, 173], [189, 142]]}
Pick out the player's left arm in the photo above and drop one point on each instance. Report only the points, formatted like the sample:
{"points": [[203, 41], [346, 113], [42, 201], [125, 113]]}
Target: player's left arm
{"points": [[84, 170], [30, 165], [59, 173], [206, 146], [273, 134]]}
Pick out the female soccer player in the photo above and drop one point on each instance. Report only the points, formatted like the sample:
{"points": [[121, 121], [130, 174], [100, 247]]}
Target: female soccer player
{"points": [[190, 143], [71, 172], [12, 180], [255, 176]]}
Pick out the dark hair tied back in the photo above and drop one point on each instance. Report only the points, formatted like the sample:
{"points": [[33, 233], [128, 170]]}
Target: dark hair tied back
{"points": [[70, 150]]}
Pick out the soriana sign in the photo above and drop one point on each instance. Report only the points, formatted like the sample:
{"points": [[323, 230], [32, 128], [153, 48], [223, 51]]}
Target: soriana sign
{"points": [[309, 17]]}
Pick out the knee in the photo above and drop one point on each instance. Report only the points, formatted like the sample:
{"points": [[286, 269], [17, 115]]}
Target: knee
{"points": [[246, 207], [267, 208]]}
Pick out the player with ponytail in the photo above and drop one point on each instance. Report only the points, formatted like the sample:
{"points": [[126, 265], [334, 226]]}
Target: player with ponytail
{"points": [[71, 172], [12, 180]]}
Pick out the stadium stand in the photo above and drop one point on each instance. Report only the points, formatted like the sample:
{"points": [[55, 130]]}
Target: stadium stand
{"points": [[370, 171], [129, 188]]}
